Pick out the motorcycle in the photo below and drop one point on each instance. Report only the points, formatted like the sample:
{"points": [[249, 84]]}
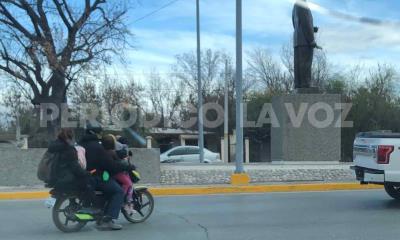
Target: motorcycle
{"points": [[67, 205]]}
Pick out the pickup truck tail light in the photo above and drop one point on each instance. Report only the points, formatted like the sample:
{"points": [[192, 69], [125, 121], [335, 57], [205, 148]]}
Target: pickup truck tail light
{"points": [[383, 154]]}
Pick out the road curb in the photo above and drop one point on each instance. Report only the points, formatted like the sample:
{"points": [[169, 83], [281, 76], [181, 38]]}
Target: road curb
{"points": [[207, 190], [260, 189]]}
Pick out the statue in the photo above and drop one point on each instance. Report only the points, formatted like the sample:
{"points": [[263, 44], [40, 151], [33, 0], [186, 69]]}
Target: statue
{"points": [[304, 44]]}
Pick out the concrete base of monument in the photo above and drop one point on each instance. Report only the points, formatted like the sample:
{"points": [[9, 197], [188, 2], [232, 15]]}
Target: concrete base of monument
{"points": [[240, 179], [307, 129], [310, 90]]}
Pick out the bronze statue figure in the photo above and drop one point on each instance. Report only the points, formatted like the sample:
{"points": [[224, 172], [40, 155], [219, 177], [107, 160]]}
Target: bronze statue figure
{"points": [[304, 44]]}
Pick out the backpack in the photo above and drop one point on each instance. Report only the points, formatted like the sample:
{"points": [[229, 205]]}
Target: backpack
{"points": [[47, 166], [81, 156]]}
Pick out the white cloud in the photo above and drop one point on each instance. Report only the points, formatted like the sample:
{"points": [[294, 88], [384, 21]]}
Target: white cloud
{"points": [[160, 47], [353, 38], [149, 58]]}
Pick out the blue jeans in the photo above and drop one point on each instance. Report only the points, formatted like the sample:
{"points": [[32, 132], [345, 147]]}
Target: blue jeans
{"points": [[113, 193]]}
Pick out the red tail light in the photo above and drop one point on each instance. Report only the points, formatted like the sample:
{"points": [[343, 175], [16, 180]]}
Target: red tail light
{"points": [[384, 152]]}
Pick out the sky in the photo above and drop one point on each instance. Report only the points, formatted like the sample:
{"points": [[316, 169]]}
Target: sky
{"points": [[266, 24]]}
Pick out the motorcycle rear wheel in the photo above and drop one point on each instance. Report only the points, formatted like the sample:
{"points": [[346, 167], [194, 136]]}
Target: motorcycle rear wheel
{"points": [[64, 213]]}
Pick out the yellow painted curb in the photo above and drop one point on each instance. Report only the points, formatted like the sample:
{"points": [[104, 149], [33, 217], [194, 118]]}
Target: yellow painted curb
{"points": [[171, 191], [260, 189], [240, 179], [23, 195]]}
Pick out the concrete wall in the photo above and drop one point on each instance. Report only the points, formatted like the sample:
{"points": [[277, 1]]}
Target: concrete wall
{"points": [[147, 162], [259, 173], [18, 167]]}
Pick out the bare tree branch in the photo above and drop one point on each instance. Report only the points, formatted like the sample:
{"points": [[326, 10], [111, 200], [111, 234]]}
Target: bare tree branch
{"points": [[12, 22], [41, 56], [62, 15]]}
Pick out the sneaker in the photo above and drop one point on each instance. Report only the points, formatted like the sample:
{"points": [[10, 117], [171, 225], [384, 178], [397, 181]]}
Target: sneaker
{"points": [[108, 226], [128, 207]]}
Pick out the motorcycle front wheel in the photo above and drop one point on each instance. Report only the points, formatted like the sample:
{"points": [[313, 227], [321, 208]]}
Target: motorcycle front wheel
{"points": [[143, 206]]}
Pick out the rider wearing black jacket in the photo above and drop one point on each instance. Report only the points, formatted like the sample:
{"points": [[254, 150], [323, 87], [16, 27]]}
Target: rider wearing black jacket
{"points": [[99, 161], [67, 169], [68, 175]]}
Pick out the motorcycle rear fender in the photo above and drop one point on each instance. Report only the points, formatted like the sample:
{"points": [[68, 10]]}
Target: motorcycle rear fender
{"points": [[141, 188]]}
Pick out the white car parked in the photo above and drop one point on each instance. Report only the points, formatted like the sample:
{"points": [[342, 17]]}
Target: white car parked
{"points": [[188, 154]]}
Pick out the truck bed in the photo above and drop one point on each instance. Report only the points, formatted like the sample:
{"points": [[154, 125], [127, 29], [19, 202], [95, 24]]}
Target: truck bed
{"points": [[365, 155]]}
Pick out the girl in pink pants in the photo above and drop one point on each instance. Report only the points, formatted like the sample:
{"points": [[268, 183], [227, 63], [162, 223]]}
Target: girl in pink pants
{"points": [[110, 144], [126, 184]]}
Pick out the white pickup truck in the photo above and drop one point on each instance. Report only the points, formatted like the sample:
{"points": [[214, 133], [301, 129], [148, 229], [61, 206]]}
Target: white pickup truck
{"points": [[376, 156]]}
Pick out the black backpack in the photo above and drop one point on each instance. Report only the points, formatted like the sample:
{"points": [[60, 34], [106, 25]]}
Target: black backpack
{"points": [[47, 166]]}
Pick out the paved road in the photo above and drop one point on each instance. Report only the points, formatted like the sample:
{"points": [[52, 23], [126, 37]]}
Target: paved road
{"points": [[343, 215]]}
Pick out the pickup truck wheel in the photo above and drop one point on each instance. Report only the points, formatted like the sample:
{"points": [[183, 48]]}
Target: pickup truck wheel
{"points": [[393, 191]]}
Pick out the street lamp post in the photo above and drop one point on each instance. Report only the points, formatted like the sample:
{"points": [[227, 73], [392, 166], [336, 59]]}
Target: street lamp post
{"points": [[239, 90], [199, 85], [226, 115]]}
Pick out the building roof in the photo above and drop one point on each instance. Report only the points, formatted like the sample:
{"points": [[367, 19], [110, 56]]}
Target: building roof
{"points": [[174, 131], [7, 137]]}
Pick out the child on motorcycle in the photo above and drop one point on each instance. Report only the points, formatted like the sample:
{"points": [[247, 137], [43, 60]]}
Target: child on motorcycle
{"points": [[109, 143]]}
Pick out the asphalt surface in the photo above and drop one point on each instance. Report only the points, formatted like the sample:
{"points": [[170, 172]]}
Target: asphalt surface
{"points": [[346, 215]]}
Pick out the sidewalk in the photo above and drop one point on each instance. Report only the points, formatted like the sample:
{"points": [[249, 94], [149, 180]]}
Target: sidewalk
{"points": [[177, 174], [13, 193]]}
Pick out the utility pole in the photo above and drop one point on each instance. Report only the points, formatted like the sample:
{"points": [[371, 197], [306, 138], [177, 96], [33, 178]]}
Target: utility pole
{"points": [[226, 115], [239, 90], [199, 85], [17, 119]]}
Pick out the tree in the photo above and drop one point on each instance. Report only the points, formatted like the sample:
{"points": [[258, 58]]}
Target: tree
{"points": [[320, 69], [381, 81], [85, 92], [375, 104], [262, 68], [165, 97], [320, 72], [185, 70], [134, 94], [337, 85], [112, 93], [18, 111], [118, 98], [47, 44], [134, 97], [287, 58]]}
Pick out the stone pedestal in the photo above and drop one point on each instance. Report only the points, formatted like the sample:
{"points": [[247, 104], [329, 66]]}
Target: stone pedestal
{"points": [[307, 128]]}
